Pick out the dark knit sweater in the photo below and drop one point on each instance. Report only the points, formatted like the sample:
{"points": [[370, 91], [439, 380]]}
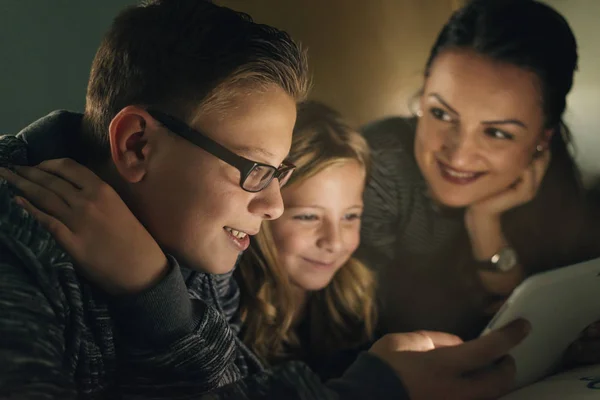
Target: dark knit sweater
{"points": [[426, 273], [62, 338]]}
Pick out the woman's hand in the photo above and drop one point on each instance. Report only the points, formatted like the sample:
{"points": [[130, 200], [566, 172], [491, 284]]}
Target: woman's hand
{"points": [[519, 193], [484, 226], [89, 219], [586, 349], [482, 219]]}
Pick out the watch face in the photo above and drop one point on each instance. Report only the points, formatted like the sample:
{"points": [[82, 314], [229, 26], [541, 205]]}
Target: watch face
{"points": [[505, 260]]}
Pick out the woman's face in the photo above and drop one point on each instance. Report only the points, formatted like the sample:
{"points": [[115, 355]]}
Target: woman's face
{"points": [[480, 125], [320, 227]]}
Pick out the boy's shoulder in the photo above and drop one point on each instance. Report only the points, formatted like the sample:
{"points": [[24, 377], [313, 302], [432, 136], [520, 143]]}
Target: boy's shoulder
{"points": [[13, 151], [25, 238], [21, 234]]}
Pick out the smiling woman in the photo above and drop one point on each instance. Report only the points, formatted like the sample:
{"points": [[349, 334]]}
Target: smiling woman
{"points": [[479, 190], [481, 127]]}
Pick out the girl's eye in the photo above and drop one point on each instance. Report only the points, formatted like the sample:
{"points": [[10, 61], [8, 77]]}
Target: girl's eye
{"points": [[440, 114], [306, 217], [352, 217]]}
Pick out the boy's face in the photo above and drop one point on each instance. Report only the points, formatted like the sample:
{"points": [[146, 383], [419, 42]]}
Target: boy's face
{"points": [[190, 200]]}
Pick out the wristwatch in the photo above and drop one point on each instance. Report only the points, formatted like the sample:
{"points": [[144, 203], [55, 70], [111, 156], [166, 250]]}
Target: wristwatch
{"points": [[503, 261]]}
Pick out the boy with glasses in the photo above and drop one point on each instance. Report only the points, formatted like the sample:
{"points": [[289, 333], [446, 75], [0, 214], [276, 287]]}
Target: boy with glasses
{"points": [[117, 285]]}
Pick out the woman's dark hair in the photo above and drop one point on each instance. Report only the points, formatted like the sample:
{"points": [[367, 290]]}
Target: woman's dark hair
{"points": [[530, 35], [525, 33], [545, 232]]}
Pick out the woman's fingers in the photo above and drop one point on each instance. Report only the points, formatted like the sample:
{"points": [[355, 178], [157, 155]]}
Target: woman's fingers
{"points": [[51, 182], [529, 184], [42, 197], [59, 230], [592, 331], [501, 283], [71, 171], [493, 307], [582, 352], [539, 167]]}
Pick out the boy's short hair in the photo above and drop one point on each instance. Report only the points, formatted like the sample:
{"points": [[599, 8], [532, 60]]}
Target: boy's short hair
{"points": [[182, 56]]}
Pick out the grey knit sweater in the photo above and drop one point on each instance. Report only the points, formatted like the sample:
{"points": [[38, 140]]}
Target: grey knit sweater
{"points": [[422, 254], [61, 338]]}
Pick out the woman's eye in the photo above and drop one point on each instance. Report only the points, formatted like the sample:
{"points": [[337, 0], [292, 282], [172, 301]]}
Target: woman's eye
{"points": [[306, 217], [440, 114], [498, 134]]}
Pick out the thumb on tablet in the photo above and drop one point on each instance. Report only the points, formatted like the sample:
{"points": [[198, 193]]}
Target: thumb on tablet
{"points": [[486, 349], [442, 339]]}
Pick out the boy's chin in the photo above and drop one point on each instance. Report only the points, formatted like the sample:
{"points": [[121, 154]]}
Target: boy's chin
{"points": [[218, 265]]}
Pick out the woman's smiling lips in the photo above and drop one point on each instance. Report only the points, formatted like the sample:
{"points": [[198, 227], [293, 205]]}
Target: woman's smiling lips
{"points": [[456, 176]]}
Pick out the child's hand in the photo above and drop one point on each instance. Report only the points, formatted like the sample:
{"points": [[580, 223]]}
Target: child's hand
{"points": [[436, 365]]}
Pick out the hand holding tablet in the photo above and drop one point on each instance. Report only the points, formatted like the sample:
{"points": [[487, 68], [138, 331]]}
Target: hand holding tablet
{"points": [[559, 304]]}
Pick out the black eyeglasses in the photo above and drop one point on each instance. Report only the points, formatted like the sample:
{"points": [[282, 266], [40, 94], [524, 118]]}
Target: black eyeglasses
{"points": [[254, 176]]}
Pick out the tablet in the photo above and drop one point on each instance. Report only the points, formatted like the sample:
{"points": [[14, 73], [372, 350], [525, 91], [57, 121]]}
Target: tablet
{"points": [[560, 304]]}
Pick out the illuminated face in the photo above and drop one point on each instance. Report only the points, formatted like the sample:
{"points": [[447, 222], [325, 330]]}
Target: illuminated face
{"points": [[320, 227]]}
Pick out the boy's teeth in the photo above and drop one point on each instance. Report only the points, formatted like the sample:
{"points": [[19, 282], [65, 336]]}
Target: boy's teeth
{"points": [[237, 234]]}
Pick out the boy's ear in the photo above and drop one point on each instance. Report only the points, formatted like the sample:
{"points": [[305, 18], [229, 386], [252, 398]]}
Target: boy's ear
{"points": [[130, 143]]}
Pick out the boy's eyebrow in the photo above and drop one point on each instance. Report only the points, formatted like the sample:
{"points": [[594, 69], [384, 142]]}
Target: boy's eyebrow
{"points": [[257, 151]]}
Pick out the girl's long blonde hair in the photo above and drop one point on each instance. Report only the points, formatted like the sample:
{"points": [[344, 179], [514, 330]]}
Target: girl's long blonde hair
{"points": [[343, 314]]}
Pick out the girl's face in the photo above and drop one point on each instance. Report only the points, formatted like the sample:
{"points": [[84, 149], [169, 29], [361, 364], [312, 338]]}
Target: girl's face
{"points": [[480, 125], [320, 227]]}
